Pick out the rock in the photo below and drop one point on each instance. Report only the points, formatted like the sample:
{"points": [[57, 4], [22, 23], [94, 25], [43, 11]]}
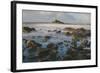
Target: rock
{"points": [[24, 40], [54, 30], [79, 48], [68, 33], [58, 22], [53, 56], [84, 54], [69, 29], [88, 33], [58, 31], [33, 29], [49, 30], [43, 54], [81, 32], [30, 55], [51, 45], [81, 29], [47, 37], [27, 29], [78, 54], [60, 43], [85, 51], [48, 54], [32, 44], [72, 54], [86, 43]]}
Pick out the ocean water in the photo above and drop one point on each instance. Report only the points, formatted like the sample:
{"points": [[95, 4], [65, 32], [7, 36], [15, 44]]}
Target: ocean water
{"points": [[42, 30]]}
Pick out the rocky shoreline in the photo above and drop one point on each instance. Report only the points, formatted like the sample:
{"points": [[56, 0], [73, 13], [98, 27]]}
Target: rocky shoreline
{"points": [[45, 50]]}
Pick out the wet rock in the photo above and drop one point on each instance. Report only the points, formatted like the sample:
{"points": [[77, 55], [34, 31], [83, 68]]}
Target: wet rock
{"points": [[48, 54], [85, 51], [86, 43], [33, 29], [87, 56], [68, 33], [49, 30], [88, 33], [30, 55], [81, 32], [60, 43], [78, 54], [43, 54], [84, 54], [32, 44], [81, 29], [69, 29], [89, 44], [54, 30], [53, 56], [51, 45], [72, 52], [24, 40], [47, 37], [27, 29], [58, 31], [79, 48]]}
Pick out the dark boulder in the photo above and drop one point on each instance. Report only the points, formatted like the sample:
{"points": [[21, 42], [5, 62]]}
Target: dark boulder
{"points": [[28, 29]]}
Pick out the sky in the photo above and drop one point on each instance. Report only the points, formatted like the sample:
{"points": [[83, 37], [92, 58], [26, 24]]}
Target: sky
{"points": [[50, 16]]}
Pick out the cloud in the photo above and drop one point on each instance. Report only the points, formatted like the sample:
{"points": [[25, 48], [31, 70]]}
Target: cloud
{"points": [[49, 16], [45, 13]]}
